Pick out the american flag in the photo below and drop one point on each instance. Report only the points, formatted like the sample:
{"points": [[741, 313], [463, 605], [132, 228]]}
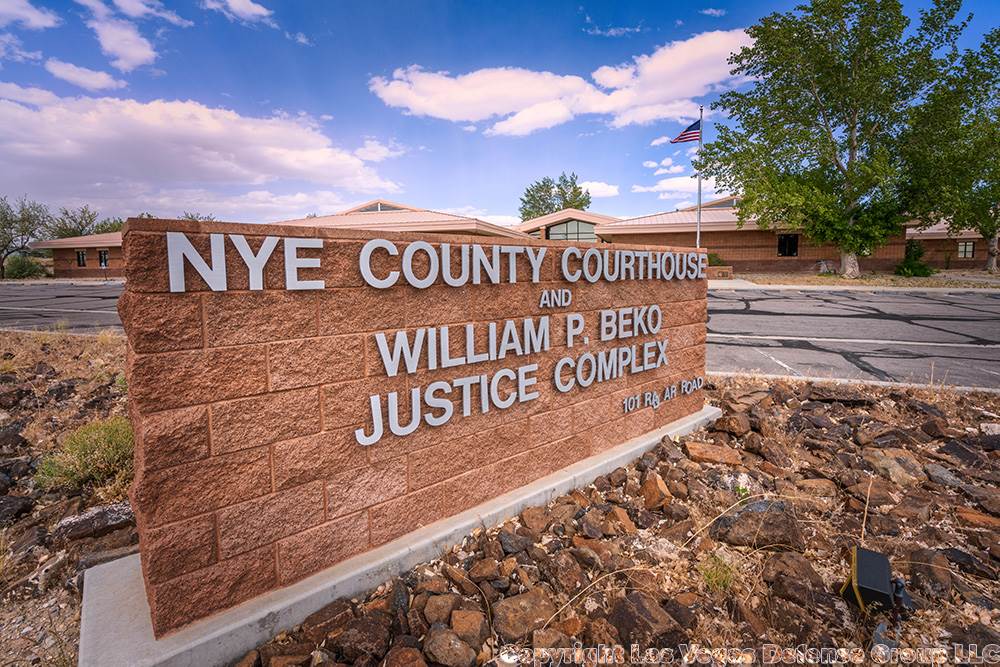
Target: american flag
{"points": [[692, 133]]}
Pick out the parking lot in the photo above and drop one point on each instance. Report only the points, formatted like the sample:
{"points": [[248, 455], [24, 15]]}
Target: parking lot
{"points": [[950, 337]]}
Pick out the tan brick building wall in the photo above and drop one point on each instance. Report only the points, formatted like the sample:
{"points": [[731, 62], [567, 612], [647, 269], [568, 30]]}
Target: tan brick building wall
{"points": [[751, 250], [943, 253], [64, 263], [244, 403]]}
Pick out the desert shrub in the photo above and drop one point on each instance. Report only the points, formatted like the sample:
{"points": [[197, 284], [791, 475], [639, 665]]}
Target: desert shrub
{"points": [[96, 456], [22, 266], [717, 573], [913, 264], [715, 260]]}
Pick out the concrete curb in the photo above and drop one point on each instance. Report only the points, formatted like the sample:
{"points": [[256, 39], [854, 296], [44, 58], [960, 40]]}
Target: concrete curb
{"points": [[962, 389], [115, 628], [747, 286]]}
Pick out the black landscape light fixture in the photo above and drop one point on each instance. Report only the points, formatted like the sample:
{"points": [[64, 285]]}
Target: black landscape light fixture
{"points": [[869, 585]]}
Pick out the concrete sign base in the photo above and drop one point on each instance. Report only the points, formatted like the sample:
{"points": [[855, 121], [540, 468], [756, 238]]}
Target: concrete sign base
{"points": [[115, 627]]}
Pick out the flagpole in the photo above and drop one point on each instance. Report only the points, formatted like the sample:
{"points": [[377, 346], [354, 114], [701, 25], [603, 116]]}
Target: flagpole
{"points": [[701, 133]]}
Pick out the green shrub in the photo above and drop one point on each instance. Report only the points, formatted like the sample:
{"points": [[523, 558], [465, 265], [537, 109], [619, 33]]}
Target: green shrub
{"points": [[22, 266], [715, 260], [97, 456], [718, 574], [913, 265]]}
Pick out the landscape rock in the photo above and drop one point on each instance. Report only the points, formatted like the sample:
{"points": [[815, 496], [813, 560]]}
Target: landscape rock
{"points": [[702, 452], [94, 522], [12, 507], [736, 424], [446, 648], [898, 465], [517, 616], [404, 656], [439, 607], [930, 570], [792, 576], [761, 523], [470, 626], [654, 492], [640, 620], [363, 636]]}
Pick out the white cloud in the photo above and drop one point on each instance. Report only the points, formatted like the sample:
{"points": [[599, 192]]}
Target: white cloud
{"points": [[651, 87], [678, 187], [29, 16], [650, 164], [713, 12], [11, 49], [613, 31], [298, 38], [250, 206], [16, 93], [120, 40], [599, 189], [673, 169], [140, 9], [684, 203], [659, 141], [469, 128], [374, 150], [129, 152], [82, 76], [246, 11], [536, 117]]}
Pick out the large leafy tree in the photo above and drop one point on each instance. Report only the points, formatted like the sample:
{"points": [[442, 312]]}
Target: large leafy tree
{"points": [[20, 224], [953, 149], [549, 195], [73, 222], [815, 144]]}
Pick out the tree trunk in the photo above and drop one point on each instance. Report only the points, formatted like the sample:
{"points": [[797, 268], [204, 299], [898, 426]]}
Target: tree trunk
{"points": [[849, 265], [991, 253]]}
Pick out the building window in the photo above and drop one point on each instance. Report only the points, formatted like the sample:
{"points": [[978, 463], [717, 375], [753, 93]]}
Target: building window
{"points": [[81, 258], [102, 258], [788, 245], [966, 249], [571, 230]]}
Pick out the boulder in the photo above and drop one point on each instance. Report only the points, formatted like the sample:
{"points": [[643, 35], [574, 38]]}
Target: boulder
{"points": [[11, 439], [929, 569], [550, 638], [512, 542], [655, 493], [792, 577], [439, 607], [12, 396], [702, 452], [762, 523], [592, 523], [514, 618], [484, 570], [405, 656], [95, 522], [897, 465], [564, 572], [12, 507], [736, 424], [363, 636], [640, 620], [535, 518], [470, 626], [446, 648]]}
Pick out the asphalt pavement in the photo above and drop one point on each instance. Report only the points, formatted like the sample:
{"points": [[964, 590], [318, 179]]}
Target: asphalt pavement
{"points": [[950, 337], [79, 307]]}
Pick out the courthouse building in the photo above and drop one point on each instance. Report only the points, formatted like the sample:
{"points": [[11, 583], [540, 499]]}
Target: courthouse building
{"points": [[100, 255]]}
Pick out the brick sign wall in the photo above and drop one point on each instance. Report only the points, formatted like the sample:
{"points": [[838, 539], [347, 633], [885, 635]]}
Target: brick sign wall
{"points": [[260, 355]]}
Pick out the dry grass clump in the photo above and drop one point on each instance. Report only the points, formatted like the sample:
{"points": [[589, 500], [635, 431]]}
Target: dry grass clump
{"points": [[97, 456]]}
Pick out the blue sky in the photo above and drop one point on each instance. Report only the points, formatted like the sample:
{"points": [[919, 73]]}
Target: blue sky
{"points": [[259, 110]]}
